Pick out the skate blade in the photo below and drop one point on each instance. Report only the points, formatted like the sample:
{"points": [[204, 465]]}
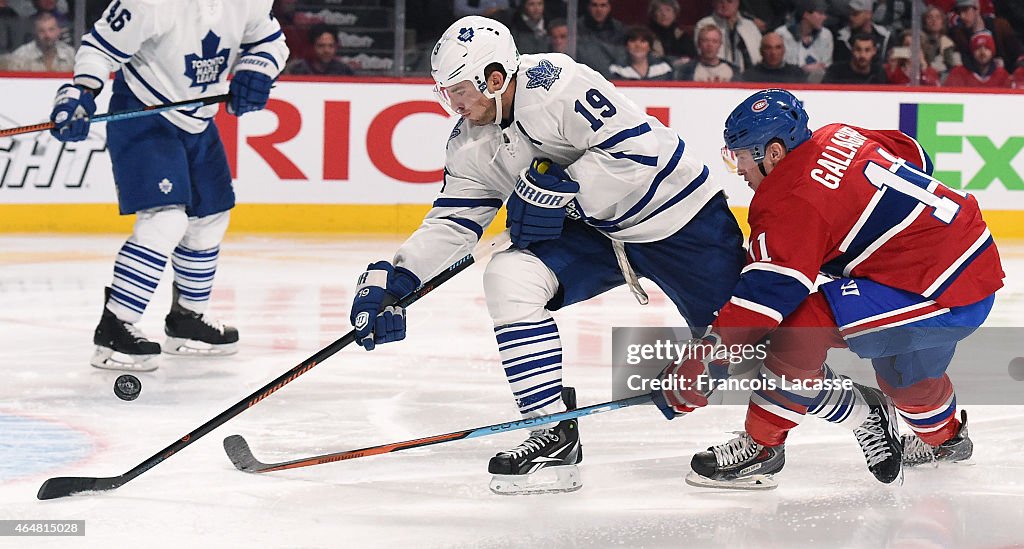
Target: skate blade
{"points": [[754, 482], [107, 359], [190, 347], [549, 480]]}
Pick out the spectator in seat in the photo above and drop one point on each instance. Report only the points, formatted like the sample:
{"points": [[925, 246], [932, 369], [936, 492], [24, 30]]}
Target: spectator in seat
{"points": [[708, 66], [1017, 78], [939, 49], [987, 73], [324, 60], [807, 42], [63, 20], [669, 40], [46, 52], [897, 68], [527, 26], [773, 66], [641, 63], [970, 22], [598, 24], [740, 36], [297, 36], [859, 22], [861, 68], [589, 51]]}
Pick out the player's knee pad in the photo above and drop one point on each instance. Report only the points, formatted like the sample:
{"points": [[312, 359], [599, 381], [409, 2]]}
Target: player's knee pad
{"points": [[207, 232], [518, 285], [160, 229]]}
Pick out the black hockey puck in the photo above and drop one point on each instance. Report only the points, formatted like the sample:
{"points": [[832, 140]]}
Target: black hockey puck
{"points": [[127, 387]]}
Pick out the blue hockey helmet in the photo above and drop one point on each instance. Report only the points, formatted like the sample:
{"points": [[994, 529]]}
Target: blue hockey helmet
{"points": [[764, 116]]}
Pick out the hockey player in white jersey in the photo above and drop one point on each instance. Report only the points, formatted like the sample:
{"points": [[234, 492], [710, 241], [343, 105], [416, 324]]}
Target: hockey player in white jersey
{"points": [[557, 141], [171, 170]]}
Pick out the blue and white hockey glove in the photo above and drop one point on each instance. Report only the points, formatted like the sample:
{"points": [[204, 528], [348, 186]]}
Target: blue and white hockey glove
{"points": [[250, 86], [375, 322], [72, 109], [536, 210], [686, 384]]}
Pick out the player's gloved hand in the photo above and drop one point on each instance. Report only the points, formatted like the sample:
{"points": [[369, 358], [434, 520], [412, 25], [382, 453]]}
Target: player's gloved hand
{"points": [[72, 109], [536, 210], [374, 317], [250, 86], [687, 384]]}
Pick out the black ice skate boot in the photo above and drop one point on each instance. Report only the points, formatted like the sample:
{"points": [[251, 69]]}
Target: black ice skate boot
{"points": [[957, 449], [120, 345], [193, 334], [879, 437], [740, 464], [545, 462]]}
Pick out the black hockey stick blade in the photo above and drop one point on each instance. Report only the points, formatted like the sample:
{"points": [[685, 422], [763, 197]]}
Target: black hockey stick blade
{"points": [[241, 455], [59, 487]]}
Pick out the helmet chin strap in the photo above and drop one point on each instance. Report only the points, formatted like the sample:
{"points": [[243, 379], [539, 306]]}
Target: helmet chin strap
{"points": [[760, 166], [496, 96]]}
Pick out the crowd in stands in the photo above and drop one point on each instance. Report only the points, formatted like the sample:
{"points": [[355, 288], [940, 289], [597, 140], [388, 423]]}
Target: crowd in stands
{"points": [[970, 43], [964, 43]]}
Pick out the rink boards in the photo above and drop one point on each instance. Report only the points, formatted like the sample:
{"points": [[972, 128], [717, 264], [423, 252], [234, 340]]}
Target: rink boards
{"points": [[365, 156]]}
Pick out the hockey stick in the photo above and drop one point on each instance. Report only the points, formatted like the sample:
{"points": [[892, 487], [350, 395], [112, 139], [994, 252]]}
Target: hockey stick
{"points": [[240, 454], [124, 115], [58, 487]]}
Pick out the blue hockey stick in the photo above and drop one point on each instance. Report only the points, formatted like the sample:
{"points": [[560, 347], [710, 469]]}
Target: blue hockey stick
{"points": [[240, 454], [124, 115]]}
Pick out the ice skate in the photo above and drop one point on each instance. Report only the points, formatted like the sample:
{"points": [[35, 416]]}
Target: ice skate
{"points": [[194, 334], [958, 449], [740, 464], [544, 463], [120, 345], [879, 437]]}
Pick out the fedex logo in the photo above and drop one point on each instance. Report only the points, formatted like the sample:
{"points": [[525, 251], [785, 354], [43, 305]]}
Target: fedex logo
{"points": [[922, 120]]}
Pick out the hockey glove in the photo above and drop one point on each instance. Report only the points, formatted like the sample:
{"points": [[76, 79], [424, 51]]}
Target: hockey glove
{"points": [[250, 86], [687, 383], [72, 109], [536, 210], [376, 322]]}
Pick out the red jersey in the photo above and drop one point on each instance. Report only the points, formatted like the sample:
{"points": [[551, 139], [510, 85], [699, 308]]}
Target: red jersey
{"points": [[859, 203], [962, 77]]}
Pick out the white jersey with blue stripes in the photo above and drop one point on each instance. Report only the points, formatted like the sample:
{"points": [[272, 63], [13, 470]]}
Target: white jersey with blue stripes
{"points": [[638, 183], [179, 49]]}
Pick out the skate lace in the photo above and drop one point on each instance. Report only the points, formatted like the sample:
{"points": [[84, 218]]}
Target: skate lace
{"points": [[136, 333], [916, 450], [736, 450], [536, 441], [872, 440], [215, 324]]}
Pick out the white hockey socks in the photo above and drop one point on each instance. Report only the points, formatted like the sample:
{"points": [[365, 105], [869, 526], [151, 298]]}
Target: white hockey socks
{"points": [[531, 353], [141, 261], [193, 276]]}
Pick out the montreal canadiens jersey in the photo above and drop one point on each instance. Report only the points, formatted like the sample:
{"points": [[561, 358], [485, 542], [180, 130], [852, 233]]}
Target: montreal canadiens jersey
{"points": [[638, 183], [174, 50], [857, 203]]}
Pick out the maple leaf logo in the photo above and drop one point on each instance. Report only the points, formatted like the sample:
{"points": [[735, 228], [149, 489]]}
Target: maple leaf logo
{"points": [[206, 69]]}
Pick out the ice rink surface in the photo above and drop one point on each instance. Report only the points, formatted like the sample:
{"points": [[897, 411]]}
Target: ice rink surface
{"points": [[290, 296]]}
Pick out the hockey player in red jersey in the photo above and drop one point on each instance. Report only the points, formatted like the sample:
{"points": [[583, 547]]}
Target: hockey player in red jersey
{"points": [[914, 271]]}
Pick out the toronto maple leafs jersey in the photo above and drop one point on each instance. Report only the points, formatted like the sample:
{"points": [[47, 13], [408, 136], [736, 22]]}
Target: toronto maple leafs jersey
{"points": [[174, 50], [637, 181]]}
